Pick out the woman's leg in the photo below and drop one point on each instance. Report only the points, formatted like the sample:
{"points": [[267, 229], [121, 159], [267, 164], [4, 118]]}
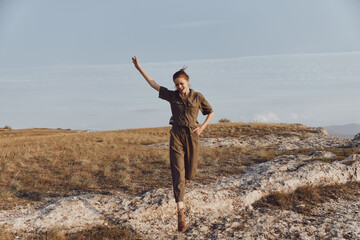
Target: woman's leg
{"points": [[178, 175], [191, 155], [177, 165]]}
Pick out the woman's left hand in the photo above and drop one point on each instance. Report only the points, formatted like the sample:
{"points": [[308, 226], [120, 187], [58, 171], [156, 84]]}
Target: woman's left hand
{"points": [[136, 62], [198, 130]]}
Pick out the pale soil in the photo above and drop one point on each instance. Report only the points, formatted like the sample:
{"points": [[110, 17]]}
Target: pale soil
{"points": [[312, 141]]}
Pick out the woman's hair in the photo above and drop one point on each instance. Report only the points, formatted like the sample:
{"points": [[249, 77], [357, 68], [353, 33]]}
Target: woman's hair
{"points": [[181, 73]]}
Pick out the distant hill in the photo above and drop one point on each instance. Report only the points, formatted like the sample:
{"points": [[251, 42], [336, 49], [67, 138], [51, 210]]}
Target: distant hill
{"points": [[347, 130]]}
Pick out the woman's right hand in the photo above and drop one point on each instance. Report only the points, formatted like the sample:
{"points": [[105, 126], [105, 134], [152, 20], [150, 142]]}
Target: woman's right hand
{"points": [[136, 62]]}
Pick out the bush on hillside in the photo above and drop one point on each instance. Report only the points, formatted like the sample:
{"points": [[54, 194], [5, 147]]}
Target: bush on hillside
{"points": [[224, 120]]}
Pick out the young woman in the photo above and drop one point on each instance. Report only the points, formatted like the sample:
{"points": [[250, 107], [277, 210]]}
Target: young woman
{"points": [[184, 136]]}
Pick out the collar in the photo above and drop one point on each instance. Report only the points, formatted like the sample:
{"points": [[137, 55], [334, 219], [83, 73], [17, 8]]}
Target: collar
{"points": [[189, 98], [191, 93]]}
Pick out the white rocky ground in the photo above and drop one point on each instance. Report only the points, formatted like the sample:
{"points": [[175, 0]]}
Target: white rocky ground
{"points": [[221, 210], [312, 141]]}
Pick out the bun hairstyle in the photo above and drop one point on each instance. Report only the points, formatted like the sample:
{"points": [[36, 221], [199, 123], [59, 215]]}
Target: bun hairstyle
{"points": [[181, 73]]}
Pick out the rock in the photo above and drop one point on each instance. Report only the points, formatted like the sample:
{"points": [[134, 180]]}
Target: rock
{"points": [[357, 137], [355, 142], [322, 154], [204, 229], [65, 212], [235, 225], [353, 157], [322, 131], [312, 141]]}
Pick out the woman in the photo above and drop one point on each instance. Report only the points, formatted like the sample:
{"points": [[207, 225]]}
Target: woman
{"points": [[184, 136]]}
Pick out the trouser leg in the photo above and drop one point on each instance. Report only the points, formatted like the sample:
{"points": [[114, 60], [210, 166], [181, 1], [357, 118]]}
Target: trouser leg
{"points": [[177, 166], [191, 155]]}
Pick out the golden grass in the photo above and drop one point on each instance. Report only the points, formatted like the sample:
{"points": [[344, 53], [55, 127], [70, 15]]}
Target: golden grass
{"points": [[104, 232], [229, 129], [6, 235], [94, 233], [38, 163], [304, 199]]}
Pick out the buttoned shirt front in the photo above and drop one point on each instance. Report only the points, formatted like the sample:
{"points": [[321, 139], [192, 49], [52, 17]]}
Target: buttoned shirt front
{"points": [[185, 111]]}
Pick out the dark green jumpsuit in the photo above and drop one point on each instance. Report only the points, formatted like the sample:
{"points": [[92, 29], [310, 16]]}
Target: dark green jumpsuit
{"points": [[184, 144]]}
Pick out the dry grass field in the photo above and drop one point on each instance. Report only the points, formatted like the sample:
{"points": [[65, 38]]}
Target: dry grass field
{"points": [[36, 164]]}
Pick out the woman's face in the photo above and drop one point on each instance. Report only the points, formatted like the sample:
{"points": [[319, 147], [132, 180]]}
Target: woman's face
{"points": [[182, 85]]}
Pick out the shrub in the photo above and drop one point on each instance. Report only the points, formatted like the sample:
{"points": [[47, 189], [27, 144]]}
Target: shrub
{"points": [[224, 120]]}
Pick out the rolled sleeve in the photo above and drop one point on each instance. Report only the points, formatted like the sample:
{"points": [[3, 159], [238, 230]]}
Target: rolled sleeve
{"points": [[205, 106], [164, 93]]}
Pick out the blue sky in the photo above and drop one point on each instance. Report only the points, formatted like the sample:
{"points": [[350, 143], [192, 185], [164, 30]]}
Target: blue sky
{"points": [[68, 64], [50, 32]]}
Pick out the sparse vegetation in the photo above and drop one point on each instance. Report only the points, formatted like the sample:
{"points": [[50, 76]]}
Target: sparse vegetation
{"points": [[39, 163], [6, 128], [224, 120], [104, 232], [5, 235], [340, 154], [94, 233], [304, 199], [65, 161], [255, 129]]}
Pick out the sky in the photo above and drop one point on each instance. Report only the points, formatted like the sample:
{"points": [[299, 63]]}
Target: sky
{"points": [[48, 50], [50, 32]]}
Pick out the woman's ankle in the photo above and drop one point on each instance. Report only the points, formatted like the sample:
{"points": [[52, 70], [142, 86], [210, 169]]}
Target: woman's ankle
{"points": [[180, 206]]}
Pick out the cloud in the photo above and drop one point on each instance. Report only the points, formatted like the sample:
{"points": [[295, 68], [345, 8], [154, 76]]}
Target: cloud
{"points": [[268, 117], [195, 24]]}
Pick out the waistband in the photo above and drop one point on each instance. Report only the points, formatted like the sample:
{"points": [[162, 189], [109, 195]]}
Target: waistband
{"points": [[182, 129], [176, 126]]}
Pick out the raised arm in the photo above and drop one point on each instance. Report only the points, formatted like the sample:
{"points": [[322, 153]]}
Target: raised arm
{"points": [[150, 81]]}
